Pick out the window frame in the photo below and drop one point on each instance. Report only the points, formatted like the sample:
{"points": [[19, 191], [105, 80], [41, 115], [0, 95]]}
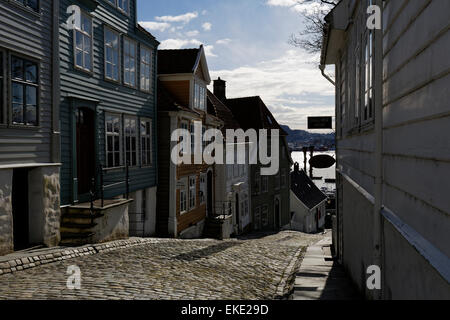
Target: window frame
{"points": [[119, 74], [200, 96], [75, 30], [202, 196], [143, 47], [184, 190], [150, 137], [26, 7], [129, 136], [127, 13], [114, 134], [37, 85], [131, 41], [191, 206]]}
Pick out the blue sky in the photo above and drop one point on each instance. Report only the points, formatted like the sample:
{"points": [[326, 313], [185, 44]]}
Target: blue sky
{"points": [[247, 45]]}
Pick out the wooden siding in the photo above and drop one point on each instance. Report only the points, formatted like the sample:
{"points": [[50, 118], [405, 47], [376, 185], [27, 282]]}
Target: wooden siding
{"points": [[29, 35], [179, 90], [111, 97]]}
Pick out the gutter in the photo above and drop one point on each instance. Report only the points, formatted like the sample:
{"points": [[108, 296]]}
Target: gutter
{"points": [[322, 69]]}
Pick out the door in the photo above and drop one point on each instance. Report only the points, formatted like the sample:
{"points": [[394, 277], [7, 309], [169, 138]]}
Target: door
{"points": [[277, 214], [20, 209], [209, 199], [85, 150]]}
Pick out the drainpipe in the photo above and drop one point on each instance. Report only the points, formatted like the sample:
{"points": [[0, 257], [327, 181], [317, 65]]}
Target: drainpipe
{"points": [[322, 69], [378, 106]]}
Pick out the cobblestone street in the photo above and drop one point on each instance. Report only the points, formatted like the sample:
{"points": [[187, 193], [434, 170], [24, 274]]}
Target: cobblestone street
{"points": [[252, 268]]}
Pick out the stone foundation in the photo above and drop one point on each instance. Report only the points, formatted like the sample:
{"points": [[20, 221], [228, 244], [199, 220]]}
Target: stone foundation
{"points": [[6, 220]]}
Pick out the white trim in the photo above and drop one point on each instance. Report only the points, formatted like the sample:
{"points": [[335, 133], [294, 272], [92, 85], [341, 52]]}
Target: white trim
{"points": [[28, 165]]}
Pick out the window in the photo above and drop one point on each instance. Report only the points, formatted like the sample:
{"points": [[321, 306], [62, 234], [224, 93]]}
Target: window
{"points": [[2, 101], [113, 141], [277, 181], [24, 87], [123, 5], [368, 88], [129, 62], [283, 179], [257, 183], [183, 199], [32, 4], [83, 43], [192, 192], [199, 96], [357, 85], [131, 141], [183, 144], [146, 142], [265, 184], [202, 189], [111, 55], [146, 63], [192, 139], [257, 219], [265, 216]]}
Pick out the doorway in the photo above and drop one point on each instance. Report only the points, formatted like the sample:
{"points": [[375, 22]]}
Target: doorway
{"points": [[85, 150], [277, 214], [209, 198], [20, 209]]}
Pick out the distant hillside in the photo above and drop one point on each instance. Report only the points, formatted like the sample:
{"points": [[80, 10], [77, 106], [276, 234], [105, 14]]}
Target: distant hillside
{"points": [[305, 138]]}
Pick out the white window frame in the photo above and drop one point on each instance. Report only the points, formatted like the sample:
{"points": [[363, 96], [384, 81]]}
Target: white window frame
{"points": [[106, 29], [113, 134], [147, 66], [199, 96], [183, 196], [129, 136], [130, 42], [148, 148], [78, 29], [202, 195], [192, 192]]}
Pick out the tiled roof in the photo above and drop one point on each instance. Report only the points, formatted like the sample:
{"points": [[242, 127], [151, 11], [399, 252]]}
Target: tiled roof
{"points": [[305, 189], [218, 109], [177, 61]]}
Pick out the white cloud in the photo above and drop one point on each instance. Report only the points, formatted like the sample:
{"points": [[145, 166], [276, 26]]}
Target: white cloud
{"points": [[209, 51], [192, 33], [204, 12], [179, 43], [207, 26], [151, 25], [223, 41], [302, 6], [290, 85], [184, 18]]}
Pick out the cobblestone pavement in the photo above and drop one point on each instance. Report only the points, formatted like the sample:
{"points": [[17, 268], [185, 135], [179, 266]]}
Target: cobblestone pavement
{"points": [[253, 268]]}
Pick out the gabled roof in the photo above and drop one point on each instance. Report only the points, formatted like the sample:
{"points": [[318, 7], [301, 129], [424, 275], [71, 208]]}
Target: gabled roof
{"points": [[252, 113], [305, 189], [167, 103], [218, 109], [183, 61]]}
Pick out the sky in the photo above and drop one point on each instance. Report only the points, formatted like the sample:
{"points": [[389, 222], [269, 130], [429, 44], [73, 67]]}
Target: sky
{"points": [[246, 44]]}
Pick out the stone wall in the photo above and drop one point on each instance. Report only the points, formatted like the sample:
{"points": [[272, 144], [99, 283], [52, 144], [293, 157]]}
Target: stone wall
{"points": [[6, 220]]}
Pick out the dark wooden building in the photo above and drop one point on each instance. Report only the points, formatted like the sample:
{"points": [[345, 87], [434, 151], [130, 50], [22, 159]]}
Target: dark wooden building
{"points": [[29, 127], [108, 117]]}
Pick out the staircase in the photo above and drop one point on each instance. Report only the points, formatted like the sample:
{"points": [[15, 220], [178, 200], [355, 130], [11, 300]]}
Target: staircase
{"points": [[77, 226], [213, 228]]}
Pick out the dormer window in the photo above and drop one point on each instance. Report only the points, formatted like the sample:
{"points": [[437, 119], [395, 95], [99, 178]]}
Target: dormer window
{"points": [[199, 96], [122, 5]]}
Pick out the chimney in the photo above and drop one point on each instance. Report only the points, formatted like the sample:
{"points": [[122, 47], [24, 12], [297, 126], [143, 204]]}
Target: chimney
{"points": [[296, 167], [220, 89]]}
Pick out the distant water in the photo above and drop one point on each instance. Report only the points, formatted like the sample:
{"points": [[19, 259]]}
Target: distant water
{"points": [[329, 173]]}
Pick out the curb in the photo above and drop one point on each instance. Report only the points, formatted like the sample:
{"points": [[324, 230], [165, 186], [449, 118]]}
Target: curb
{"points": [[20, 264]]}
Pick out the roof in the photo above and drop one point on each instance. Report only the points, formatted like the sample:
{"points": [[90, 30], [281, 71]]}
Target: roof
{"points": [[183, 61], [177, 61], [252, 113], [305, 189], [221, 111], [167, 103]]}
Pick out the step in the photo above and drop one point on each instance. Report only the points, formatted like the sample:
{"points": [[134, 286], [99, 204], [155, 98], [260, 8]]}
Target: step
{"points": [[74, 228], [76, 235]]}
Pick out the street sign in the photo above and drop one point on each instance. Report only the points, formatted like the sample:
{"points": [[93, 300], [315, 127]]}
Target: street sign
{"points": [[320, 122], [322, 161]]}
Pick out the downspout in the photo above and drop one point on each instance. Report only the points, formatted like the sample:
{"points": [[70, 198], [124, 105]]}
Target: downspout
{"points": [[378, 106], [322, 69]]}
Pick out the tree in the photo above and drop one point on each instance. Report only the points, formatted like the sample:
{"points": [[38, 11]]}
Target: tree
{"points": [[310, 38]]}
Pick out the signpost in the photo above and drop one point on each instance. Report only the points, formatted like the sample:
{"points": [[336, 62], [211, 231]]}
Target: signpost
{"points": [[320, 122]]}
